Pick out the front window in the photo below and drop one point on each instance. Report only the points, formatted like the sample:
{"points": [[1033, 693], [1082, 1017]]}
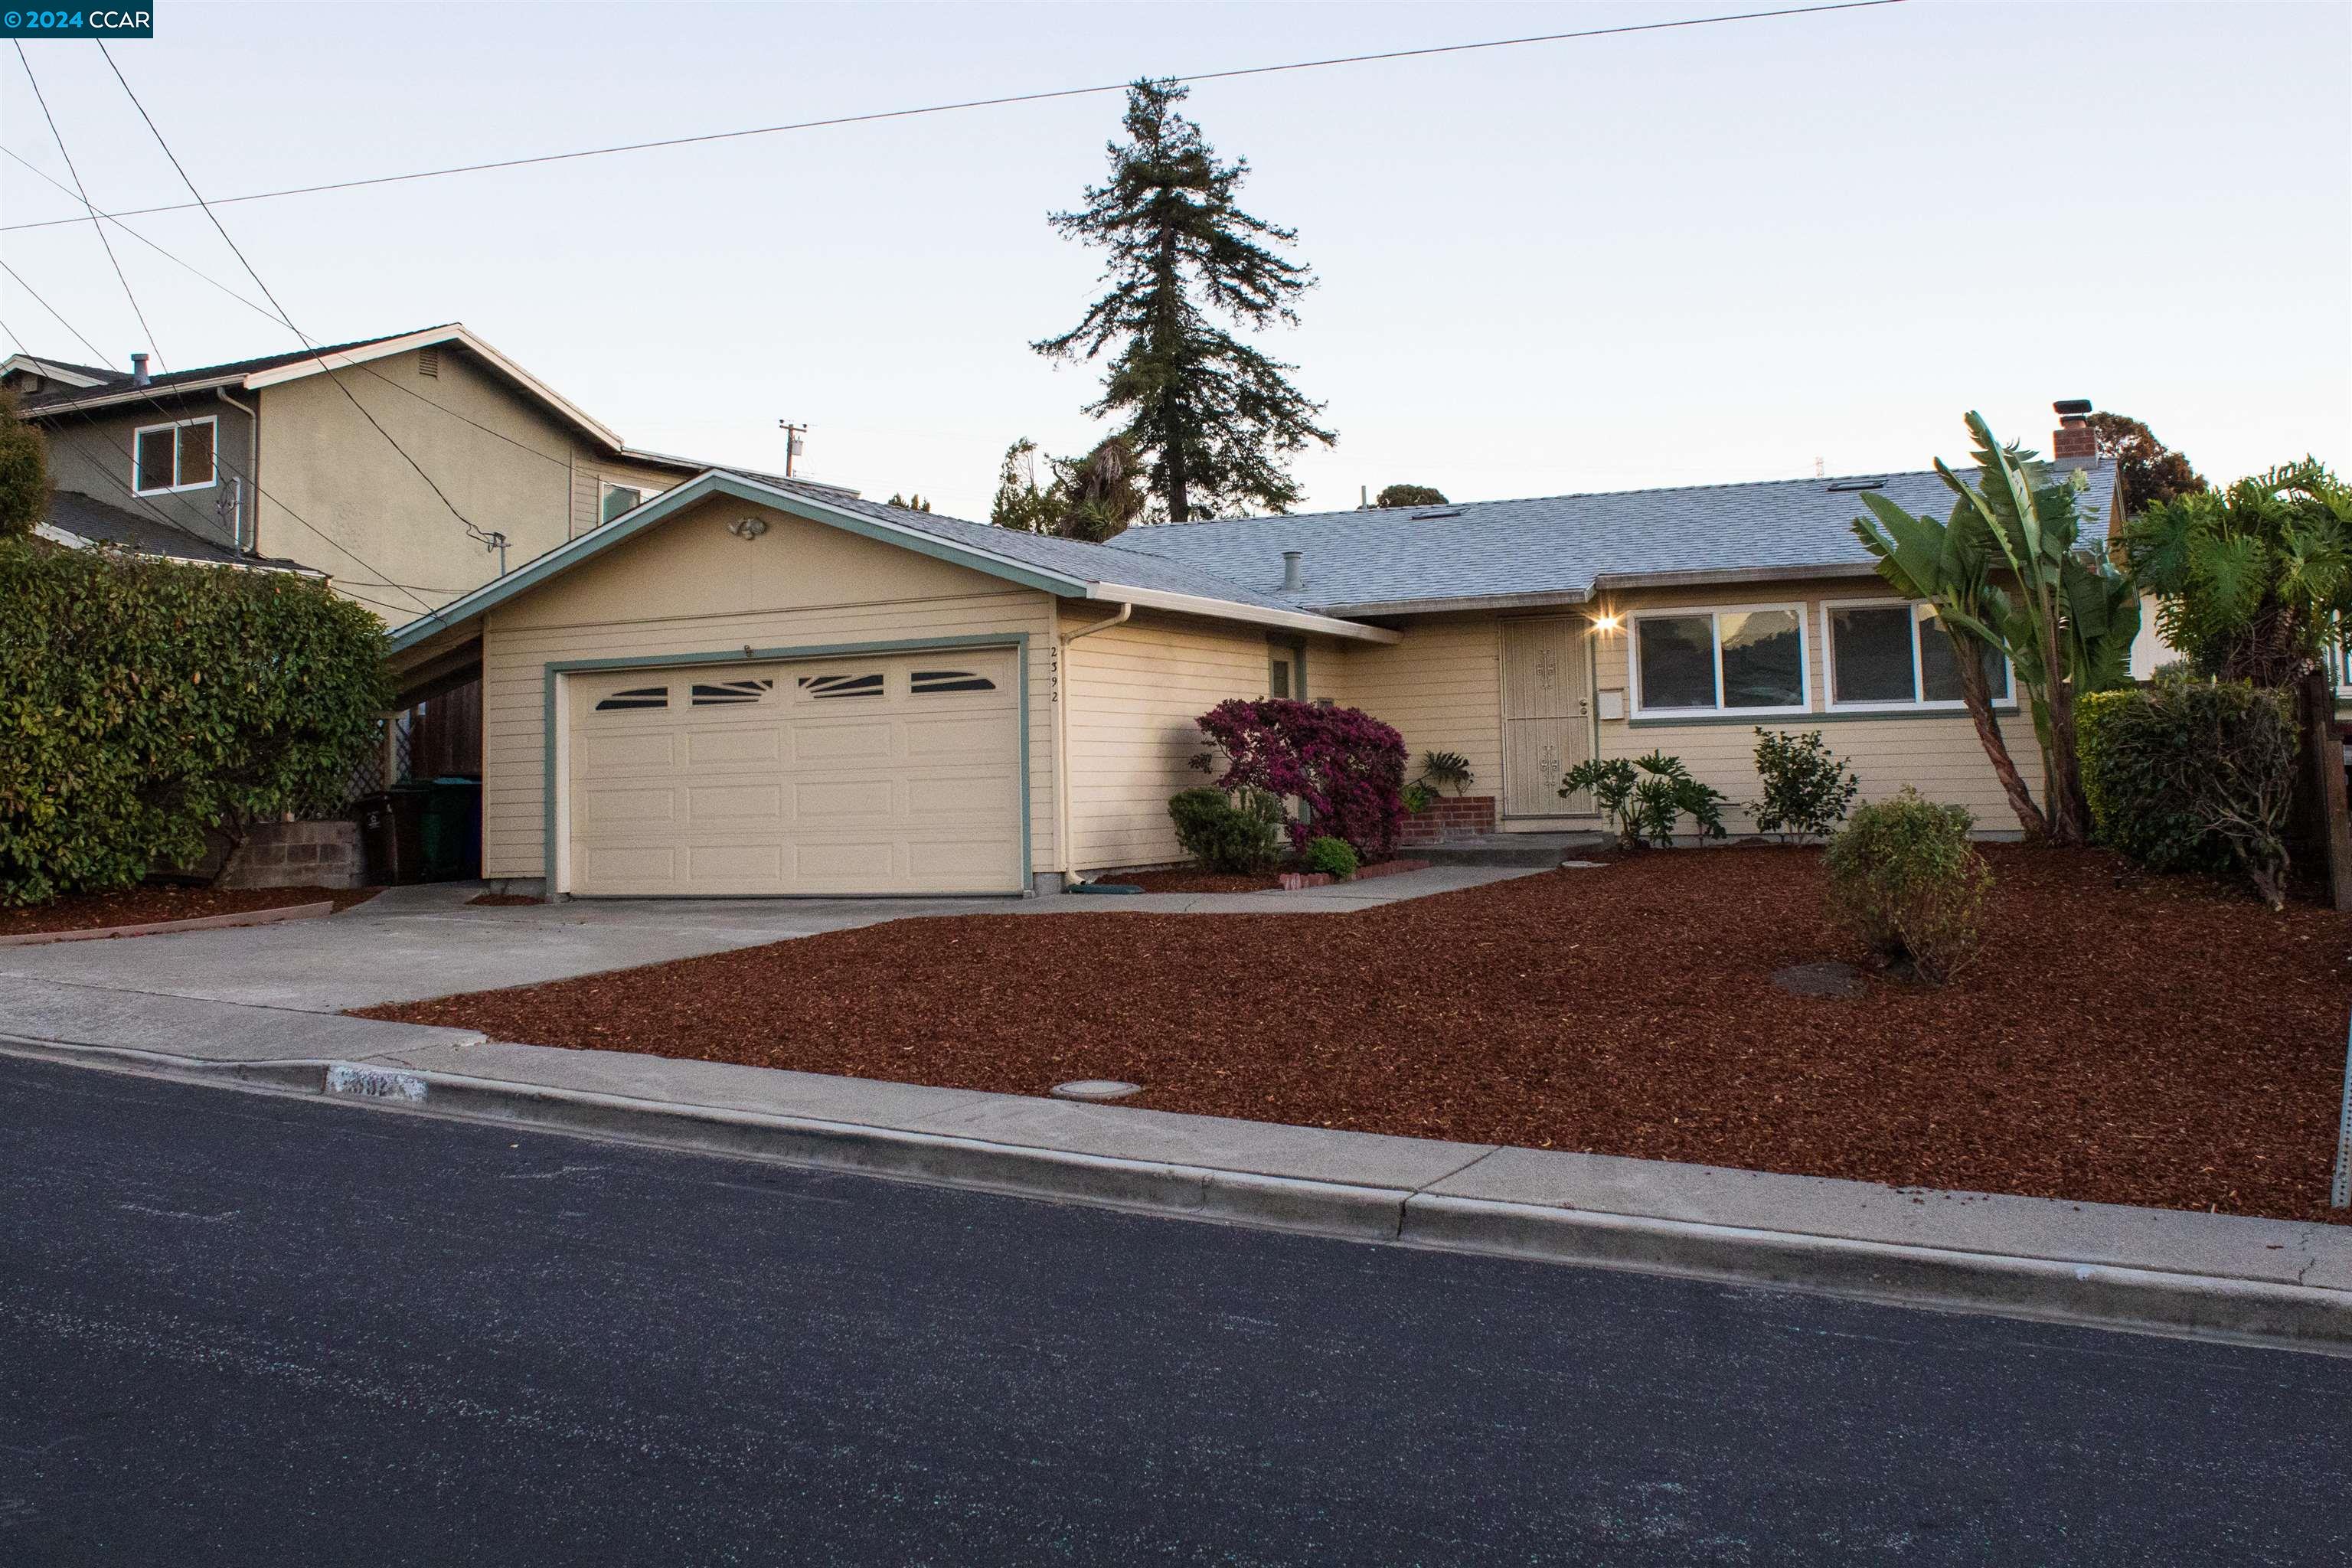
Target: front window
{"points": [[1896, 654], [173, 457], [619, 498], [1746, 660]]}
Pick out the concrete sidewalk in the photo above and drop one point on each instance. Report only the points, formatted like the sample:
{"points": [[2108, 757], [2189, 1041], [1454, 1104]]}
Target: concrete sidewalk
{"points": [[2256, 1279], [409, 944]]}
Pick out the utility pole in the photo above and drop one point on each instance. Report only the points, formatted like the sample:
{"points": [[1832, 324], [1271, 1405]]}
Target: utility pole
{"points": [[793, 433]]}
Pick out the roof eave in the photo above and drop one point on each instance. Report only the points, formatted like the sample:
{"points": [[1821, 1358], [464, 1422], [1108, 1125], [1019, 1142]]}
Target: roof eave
{"points": [[1730, 575], [1232, 610]]}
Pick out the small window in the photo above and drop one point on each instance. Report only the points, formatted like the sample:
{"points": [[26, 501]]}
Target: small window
{"points": [[822, 687], [930, 681], [636, 697], [1897, 656], [1706, 661], [173, 457], [619, 498], [719, 693], [1286, 674]]}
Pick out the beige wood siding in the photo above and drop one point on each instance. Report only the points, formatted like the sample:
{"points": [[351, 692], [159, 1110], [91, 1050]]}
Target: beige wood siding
{"points": [[688, 586], [1936, 751], [1134, 693], [1441, 688]]}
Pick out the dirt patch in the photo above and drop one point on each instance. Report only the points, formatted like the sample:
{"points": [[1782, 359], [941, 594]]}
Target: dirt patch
{"points": [[2159, 1041], [503, 901], [144, 906], [1185, 881]]}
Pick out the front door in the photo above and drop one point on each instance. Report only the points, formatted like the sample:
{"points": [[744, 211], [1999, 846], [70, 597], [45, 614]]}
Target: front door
{"points": [[1546, 714]]}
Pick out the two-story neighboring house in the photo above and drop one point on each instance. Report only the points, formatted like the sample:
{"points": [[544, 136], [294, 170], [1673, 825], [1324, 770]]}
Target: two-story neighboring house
{"points": [[364, 461]]}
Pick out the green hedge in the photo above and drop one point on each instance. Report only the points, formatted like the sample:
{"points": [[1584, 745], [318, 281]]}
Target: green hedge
{"points": [[143, 702], [2155, 761]]}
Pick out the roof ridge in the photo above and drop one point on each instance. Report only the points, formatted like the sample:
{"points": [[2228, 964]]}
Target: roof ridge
{"points": [[1582, 495]]}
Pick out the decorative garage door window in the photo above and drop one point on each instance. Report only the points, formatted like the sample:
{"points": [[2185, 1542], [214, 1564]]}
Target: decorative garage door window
{"points": [[822, 687], [930, 681], [636, 697], [721, 693]]}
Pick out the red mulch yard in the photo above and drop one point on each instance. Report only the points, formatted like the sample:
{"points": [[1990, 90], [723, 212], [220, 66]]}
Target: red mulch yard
{"points": [[143, 906], [2124, 1038]]}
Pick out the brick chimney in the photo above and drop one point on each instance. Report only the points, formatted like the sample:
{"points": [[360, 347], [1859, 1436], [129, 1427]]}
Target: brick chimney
{"points": [[2072, 438]]}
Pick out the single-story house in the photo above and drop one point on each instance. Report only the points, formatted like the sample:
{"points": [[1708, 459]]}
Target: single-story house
{"points": [[750, 686]]}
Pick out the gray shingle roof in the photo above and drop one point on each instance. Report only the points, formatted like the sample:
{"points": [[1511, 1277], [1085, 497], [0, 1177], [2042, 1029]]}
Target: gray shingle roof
{"points": [[85, 517], [118, 381], [1555, 545]]}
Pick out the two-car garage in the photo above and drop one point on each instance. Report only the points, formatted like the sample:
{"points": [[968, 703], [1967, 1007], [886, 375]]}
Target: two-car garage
{"points": [[896, 773]]}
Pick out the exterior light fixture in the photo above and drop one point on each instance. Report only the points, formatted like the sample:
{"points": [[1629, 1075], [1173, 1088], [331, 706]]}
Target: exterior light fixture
{"points": [[1608, 623], [747, 527]]}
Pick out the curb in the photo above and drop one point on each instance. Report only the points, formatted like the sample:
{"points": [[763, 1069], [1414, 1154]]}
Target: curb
{"points": [[275, 916], [2106, 1296]]}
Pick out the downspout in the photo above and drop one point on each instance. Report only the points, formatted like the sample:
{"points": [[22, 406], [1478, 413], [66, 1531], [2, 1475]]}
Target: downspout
{"points": [[1062, 733], [252, 471]]}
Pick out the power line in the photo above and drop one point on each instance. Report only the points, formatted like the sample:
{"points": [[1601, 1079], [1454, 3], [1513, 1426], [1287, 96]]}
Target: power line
{"points": [[59, 136], [977, 103], [488, 538], [268, 314]]}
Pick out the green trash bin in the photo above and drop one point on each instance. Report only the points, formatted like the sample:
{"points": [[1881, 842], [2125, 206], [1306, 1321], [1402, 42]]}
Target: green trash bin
{"points": [[451, 833]]}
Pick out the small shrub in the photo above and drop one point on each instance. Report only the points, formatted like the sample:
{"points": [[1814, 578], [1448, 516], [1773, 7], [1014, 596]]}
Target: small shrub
{"points": [[1647, 798], [1239, 833], [1445, 769], [1418, 797], [1903, 875], [1346, 767], [2192, 775], [1807, 790], [1333, 856]]}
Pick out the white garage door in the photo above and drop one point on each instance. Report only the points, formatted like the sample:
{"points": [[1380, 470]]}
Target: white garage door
{"points": [[898, 775]]}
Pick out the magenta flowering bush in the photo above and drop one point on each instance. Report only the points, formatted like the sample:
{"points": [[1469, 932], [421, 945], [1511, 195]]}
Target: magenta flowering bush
{"points": [[1346, 766]]}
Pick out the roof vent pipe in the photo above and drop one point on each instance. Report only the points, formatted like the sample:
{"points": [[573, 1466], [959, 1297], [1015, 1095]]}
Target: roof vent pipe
{"points": [[138, 376], [1293, 579]]}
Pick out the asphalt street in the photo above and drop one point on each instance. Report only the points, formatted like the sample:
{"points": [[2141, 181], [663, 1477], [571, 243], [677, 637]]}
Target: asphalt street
{"points": [[239, 1328]]}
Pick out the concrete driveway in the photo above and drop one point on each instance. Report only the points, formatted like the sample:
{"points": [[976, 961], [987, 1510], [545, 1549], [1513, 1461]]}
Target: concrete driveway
{"points": [[409, 944]]}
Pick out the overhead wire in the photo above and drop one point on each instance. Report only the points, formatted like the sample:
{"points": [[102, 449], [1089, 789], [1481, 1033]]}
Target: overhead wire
{"points": [[1000, 100]]}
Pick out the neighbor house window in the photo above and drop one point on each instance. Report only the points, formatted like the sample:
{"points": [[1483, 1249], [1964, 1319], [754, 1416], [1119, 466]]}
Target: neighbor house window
{"points": [[1891, 654], [619, 498], [173, 457], [1745, 660]]}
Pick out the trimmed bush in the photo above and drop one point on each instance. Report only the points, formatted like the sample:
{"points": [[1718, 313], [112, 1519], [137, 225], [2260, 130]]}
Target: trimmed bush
{"points": [[1332, 857], [1346, 767], [1239, 833], [1905, 877], [144, 702], [2193, 775], [1807, 789]]}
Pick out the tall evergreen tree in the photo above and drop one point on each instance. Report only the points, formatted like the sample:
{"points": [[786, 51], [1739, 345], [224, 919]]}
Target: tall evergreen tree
{"points": [[1210, 417]]}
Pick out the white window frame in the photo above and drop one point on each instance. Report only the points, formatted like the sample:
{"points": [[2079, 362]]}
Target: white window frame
{"points": [[138, 480], [1714, 614], [1918, 703], [605, 487]]}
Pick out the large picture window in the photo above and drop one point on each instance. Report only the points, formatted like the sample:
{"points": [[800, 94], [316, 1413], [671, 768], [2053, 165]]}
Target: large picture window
{"points": [[1891, 654], [176, 457], [1745, 660]]}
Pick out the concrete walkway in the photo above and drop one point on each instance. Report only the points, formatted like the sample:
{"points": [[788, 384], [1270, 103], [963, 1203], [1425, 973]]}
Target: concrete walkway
{"points": [[409, 944]]}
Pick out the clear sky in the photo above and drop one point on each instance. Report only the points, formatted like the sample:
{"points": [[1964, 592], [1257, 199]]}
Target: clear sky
{"points": [[1712, 254]]}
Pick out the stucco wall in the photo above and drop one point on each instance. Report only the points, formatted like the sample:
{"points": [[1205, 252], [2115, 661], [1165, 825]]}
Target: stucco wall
{"points": [[506, 463], [1135, 691], [91, 456], [690, 587]]}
